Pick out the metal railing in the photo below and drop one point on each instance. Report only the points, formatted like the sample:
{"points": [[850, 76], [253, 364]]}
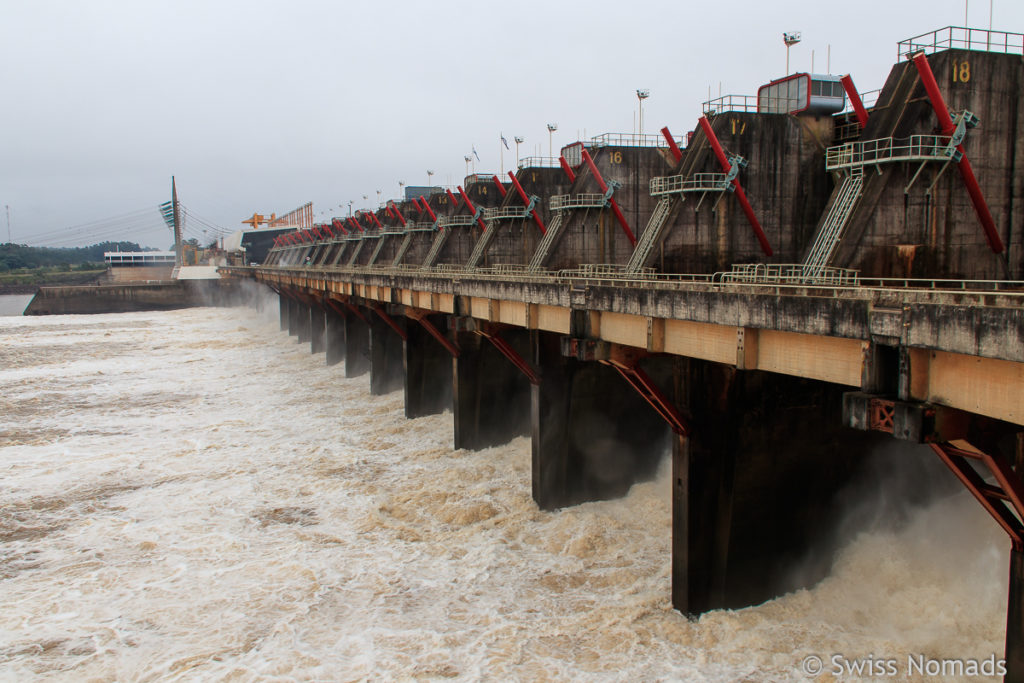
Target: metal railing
{"points": [[500, 212], [962, 38], [888, 150], [929, 290], [698, 182], [788, 273], [631, 140], [454, 221], [539, 162], [418, 226], [561, 202], [725, 103]]}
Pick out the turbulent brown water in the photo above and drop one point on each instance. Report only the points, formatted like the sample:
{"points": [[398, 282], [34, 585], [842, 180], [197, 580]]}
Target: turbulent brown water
{"points": [[192, 495]]}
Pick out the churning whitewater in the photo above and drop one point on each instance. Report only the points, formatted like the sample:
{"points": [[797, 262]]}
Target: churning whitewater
{"points": [[192, 495]]}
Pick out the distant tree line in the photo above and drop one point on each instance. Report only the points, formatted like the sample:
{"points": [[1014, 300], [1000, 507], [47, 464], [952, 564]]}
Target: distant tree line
{"points": [[15, 256]]}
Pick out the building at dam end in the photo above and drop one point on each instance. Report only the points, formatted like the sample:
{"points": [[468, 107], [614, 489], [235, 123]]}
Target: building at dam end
{"points": [[786, 281]]}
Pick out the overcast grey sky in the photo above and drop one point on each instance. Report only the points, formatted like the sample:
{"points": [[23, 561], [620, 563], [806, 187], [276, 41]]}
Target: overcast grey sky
{"points": [[261, 106]]}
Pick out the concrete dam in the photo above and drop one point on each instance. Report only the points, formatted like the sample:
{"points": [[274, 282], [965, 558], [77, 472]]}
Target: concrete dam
{"points": [[801, 278]]}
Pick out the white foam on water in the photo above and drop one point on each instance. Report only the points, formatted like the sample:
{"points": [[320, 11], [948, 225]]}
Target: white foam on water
{"points": [[192, 495]]}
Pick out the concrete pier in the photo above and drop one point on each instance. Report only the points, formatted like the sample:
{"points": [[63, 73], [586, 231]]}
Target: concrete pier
{"points": [[317, 325], [386, 353], [357, 345], [490, 396], [756, 484], [334, 336], [428, 369], [593, 437]]}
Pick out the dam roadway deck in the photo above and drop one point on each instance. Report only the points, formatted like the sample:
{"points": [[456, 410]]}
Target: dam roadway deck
{"points": [[808, 331]]}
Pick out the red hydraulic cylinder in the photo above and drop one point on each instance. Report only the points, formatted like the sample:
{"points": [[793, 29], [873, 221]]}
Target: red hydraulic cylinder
{"points": [[501, 187], [397, 214], [676, 152], [373, 216], [615, 205], [567, 168], [472, 208], [526, 202], [339, 224], [455, 200], [416, 204], [966, 172], [741, 196], [858, 105], [428, 209], [354, 223]]}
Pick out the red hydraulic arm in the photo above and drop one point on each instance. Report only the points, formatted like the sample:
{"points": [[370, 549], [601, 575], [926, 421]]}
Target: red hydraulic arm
{"points": [[526, 202], [373, 217], [455, 200], [416, 204], [676, 152], [858, 105], [352, 221], [339, 224], [567, 168], [741, 196], [501, 187], [428, 209], [397, 214], [469, 205], [966, 172], [615, 205]]}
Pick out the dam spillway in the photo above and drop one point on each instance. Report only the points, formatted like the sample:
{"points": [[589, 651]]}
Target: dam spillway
{"points": [[762, 290]]}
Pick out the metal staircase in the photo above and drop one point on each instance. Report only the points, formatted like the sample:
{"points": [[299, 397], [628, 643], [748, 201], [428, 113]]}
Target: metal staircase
{"points": [[652, 234], [831, 231], [355, 254], [481, 246], [376, 251], [403, 249], [435, 249], [540, 256]]}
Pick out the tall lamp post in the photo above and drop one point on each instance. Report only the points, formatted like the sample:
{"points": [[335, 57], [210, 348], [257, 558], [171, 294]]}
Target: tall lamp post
{"points": [[790, 39], [642, 94], [401, 189], [552, 127], [519, 140], [430, 174]]}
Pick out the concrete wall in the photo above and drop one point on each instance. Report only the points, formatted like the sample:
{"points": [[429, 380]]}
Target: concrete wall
{"points": [[516, 240], [131, 297], [938, 235], [785, 182], [594, 235]]}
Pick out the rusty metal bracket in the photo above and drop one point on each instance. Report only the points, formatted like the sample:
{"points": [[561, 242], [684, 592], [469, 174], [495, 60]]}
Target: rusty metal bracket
{"points": [[882, 415]]}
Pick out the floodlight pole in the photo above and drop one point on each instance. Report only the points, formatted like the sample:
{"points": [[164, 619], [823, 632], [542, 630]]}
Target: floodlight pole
{"points": [[178, 261]]}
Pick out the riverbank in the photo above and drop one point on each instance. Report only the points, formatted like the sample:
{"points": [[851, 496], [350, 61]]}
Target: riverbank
{"points": [[29, 281]]}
